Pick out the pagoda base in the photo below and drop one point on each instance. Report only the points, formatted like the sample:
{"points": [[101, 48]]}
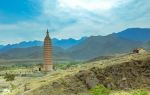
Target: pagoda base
{"points": [[47, 68]]}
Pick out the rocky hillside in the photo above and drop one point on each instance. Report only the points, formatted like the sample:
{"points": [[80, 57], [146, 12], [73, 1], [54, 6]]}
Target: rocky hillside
{"points": [[133, 74], [123, 72]]}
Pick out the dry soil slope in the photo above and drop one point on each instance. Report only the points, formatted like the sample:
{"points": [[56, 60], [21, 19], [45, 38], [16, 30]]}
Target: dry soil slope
{"points": [[130, 71]]}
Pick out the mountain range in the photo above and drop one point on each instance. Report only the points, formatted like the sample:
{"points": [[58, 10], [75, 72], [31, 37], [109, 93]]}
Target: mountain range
{"points": [[64, 43], [1, 46], [102, 46], [84, 49], [136, 34]]}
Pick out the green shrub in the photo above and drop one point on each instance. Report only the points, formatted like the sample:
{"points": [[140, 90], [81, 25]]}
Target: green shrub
{"points": [[140, 92], [100, 90], [9, 77], [63, 66], [12, 86]]}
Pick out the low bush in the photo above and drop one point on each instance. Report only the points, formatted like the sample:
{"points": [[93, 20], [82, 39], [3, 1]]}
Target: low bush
{"points": [[141, 92], [64, 66], [100, 90], [12, 86], [9, 77]]}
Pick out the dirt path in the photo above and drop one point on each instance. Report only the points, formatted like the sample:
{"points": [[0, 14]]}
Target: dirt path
{"points": [[5, 91], [4, 87]]}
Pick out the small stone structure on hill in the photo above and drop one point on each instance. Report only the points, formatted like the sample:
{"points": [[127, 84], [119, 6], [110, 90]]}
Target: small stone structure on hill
{"points": [[138, 50]]}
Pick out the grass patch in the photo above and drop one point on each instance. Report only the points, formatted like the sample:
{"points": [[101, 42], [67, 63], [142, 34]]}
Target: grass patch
{"points": [[64, 66], [100, 90], [141, 92]]}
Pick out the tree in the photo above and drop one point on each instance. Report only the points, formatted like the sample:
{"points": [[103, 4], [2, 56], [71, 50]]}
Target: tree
{"points": [[9, 77]]}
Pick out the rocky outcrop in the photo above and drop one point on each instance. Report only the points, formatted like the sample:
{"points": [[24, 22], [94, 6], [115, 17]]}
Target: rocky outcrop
{"points": [[88, 77], [128, 75]]}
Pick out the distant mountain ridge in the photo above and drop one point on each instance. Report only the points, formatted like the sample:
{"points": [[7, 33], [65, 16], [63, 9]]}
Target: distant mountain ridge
{"points": [[64, 43], [96, 46], [35, 52], [1, 46], [23, 44], [136, 34], [83, 49]]}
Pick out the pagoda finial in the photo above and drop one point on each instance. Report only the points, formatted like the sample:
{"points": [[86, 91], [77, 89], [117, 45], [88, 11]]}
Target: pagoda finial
{"points": [[47, 31]]}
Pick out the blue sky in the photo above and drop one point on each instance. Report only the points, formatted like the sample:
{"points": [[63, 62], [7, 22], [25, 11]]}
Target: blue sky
{"points": [[28, 19]]}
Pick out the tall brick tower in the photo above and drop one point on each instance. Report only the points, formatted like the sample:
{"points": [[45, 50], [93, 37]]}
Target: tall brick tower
{"points": [[48, 65]]}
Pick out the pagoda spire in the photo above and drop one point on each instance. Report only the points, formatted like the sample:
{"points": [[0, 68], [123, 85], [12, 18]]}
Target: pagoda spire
{"points": [[47, 33], [47, 30]]}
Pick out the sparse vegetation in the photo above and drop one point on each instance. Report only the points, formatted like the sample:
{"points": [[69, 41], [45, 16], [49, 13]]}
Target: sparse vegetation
{"points": [[100, 90], [63, 81], [141, 92], [65, 66], [9, 77], [12, 86]]}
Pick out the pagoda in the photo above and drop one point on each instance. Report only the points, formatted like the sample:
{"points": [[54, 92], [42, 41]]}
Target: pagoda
{"points": [[48, 65]]}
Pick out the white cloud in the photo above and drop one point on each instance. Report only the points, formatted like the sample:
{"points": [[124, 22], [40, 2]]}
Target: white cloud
{"points": [[78, 18], [91, 5]]}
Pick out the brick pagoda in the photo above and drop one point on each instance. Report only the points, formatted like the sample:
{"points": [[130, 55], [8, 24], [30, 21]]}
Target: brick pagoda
{"points": [[48, 65]]}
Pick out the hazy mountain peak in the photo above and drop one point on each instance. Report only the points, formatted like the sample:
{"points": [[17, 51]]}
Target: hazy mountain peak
{"points": [[136, 34]]}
